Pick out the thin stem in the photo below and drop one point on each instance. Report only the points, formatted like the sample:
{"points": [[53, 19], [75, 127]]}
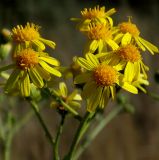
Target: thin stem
{"points": [[59, 132], [80, 132], [13, 131], [47, 133], [55, 95], [74, 112], [102, 123], [154, 95]]}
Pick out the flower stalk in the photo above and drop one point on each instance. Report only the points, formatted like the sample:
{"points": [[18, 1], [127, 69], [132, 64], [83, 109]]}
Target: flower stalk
{"points": [[103, 121], [79, 134], [57, 139], [42, 123]]}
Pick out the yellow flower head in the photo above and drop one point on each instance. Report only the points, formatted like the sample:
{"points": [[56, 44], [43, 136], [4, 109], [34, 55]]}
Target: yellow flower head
{"points": [[129, 53], [132, 76], [100, 31], [73, 99], [31, 67], [94, 15], [105, 75], [124, 55], [100, 80], [96, 12], [27, 58], [29, 36], [28, 33], [129, 27], [100, 36], [128, 32]]}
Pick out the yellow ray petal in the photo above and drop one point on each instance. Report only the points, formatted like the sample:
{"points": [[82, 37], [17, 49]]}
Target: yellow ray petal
{"points": [[43, 73], [92, 59], [129, 72], [112, 44], [126, 39], [36, 78], [130, 88], [63, 89], [39, 44], [24, 85], [84, 63], [94, 100], [139, 44], [50, 69], [113, 92], [13, 79], [150, 47], [50, 60], [48, 42], [118, 38]]}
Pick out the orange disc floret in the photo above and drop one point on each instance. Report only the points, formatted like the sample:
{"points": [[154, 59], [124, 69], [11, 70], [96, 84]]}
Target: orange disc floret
{"points": [[99, 31], [26, 59], [129, 27], [105, 75], [129, 53], [22, 34]]}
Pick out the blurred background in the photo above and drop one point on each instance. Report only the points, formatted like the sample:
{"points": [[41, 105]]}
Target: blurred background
{"points": [[127, 137]]}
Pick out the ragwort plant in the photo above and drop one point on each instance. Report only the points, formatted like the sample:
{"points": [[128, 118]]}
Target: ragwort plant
{"points": [[112, 61]]}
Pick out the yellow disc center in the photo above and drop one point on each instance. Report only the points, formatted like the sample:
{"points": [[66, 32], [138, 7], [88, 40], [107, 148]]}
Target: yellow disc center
{"points": [[105, 75], [26, 59], [129, 27], [129, 53], [99, 31]]}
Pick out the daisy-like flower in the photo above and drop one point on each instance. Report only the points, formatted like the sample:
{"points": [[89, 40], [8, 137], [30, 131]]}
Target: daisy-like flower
{"points": [[29, 36], [73, 99], [95, 15], [127, 56], [128, 32], [100, 80], [31, 67], [135, 78], [100, 37]]}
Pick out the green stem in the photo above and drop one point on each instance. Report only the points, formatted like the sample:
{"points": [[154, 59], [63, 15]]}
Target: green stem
{"points": [[80, 132], [13, 131], [47, 133], [102, 123], [59, 132]]}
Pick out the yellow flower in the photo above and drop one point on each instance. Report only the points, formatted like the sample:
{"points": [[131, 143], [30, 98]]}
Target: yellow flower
{"points": [[100, 36], [95, 15], [128, 54], [100, 81], [29, 36], [31, 67], [127, 32], [73, 99], [133, 77]]}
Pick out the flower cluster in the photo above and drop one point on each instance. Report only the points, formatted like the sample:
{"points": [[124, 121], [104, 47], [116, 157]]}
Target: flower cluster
{"points": [[31, 64], [73, 99], [113, 57]]}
